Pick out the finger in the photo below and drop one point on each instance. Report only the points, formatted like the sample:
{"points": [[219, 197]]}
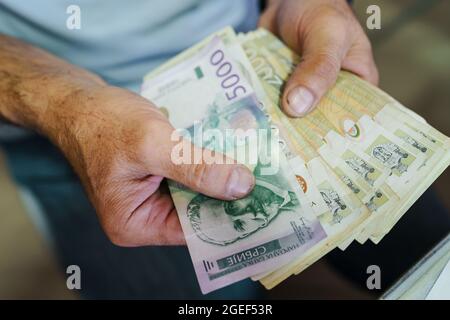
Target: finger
{"points": [[201, 170], [360, 61], [268, 19], [146, 216], [154, 222], [323, 52]]}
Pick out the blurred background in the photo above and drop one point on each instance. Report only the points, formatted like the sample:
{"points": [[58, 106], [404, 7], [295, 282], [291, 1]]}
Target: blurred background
{"points": [[412, 51]]}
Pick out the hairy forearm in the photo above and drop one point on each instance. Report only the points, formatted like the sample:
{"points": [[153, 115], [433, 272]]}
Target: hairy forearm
{"points": [[35, 85]]}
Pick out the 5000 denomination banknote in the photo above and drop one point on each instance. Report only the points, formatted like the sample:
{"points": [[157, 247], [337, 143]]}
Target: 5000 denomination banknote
{"points": [[232, 240]]}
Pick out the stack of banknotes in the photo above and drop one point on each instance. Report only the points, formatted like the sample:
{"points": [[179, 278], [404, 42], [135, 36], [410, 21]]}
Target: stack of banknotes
{"points": [[347, 171]]}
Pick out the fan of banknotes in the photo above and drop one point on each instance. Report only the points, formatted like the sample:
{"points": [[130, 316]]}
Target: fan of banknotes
{"points": [[347, 171]]}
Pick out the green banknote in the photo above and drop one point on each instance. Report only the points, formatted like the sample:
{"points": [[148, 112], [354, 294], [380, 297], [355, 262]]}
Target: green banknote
{"points": [[210, 95]]}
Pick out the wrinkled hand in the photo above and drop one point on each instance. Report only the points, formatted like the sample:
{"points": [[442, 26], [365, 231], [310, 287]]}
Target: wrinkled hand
{"points": [[328, 37], [120, 145]]}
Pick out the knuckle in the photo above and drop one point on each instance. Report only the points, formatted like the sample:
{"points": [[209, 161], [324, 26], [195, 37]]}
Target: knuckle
{"points": [[365, 42], [327, 67], [149, 130], [199, 175], [366, 71], [149, 146], [115, 231], [153, 126], [328, 11], [373, 76], [117, 239]]}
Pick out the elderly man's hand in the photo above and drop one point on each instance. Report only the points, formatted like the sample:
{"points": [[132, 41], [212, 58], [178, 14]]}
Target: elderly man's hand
{"points": [[328, 37], [120, 145]]}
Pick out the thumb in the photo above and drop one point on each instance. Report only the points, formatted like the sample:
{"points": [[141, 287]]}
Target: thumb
{"points": [[201, 170], [315, 74]]}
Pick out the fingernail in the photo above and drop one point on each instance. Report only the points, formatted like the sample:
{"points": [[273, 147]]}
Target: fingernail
{"points": [[300, 100], [240, 182]]}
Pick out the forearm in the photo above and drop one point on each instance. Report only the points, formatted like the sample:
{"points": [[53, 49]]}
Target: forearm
{"points": [[34, 85]]}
